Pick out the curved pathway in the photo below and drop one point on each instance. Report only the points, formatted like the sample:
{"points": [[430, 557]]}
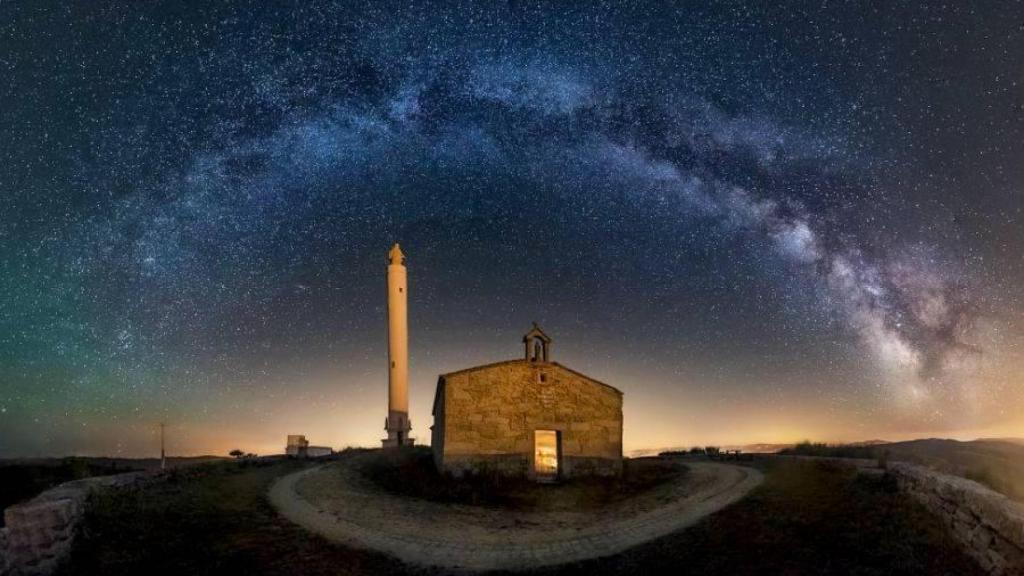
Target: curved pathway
{"points": [[335, 502]]}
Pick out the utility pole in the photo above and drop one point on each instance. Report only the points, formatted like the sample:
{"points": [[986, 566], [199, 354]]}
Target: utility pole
{"points": [[163, 462]]}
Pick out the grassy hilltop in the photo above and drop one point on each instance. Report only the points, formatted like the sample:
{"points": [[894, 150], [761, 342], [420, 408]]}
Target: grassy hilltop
{"points": [[998, 464], [807, 518]]}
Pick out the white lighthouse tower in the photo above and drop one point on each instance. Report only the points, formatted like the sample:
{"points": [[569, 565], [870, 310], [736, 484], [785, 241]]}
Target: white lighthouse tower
{"points": [[397, 424]]}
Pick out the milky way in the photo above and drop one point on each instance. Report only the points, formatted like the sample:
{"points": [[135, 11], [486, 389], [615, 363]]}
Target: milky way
{"points": [[818, 210]]}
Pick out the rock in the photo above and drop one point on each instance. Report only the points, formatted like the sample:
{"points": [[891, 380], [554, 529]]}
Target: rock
{"points": [[39, 533], [989, 525]]}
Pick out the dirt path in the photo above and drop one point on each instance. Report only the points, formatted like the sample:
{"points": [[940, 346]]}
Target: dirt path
{"points": [[333, 501]]}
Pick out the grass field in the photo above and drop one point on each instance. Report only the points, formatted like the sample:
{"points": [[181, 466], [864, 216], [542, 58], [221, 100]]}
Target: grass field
{"points": [[208, 519], [807, 518], [412, 473]]}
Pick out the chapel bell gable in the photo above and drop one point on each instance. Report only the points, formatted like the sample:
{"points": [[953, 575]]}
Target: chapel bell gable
{"points": [[537, 345]]}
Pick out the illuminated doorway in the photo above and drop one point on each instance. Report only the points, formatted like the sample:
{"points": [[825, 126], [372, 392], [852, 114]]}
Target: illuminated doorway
{"points": [[546, 447]]}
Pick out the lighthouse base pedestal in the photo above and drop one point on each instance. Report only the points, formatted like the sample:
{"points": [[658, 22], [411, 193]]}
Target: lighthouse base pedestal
{"points": [[396, 443], [397, 426]]}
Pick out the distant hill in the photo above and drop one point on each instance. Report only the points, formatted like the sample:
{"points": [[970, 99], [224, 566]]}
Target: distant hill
{"points": [[755, 448], [1010, 440], [745, 448], [869, 443]]}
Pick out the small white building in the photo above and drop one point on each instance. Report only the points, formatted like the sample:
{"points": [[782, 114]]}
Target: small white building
{"points": [[317, 451], [299, 447]]}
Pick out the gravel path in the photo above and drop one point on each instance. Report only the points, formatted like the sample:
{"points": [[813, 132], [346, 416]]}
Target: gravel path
{"points": [[333, 501]]}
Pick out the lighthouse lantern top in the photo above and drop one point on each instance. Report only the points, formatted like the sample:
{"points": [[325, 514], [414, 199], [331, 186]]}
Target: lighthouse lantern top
{"points": [[395, 256]]}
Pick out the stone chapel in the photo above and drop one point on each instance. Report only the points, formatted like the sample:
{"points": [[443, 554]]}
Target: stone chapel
{"points": [[528, 417]]}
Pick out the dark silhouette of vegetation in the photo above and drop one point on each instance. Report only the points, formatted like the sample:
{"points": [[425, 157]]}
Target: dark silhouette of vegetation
{"points": [[821, 449], [883, 458], [236, 453], [712, 452]]}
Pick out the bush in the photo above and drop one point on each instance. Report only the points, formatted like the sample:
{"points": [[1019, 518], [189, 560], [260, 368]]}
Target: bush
{"points": [[821, 449]]}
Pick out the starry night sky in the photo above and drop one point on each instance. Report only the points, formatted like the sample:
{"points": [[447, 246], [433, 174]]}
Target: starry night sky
{"points": [[761, 223]]}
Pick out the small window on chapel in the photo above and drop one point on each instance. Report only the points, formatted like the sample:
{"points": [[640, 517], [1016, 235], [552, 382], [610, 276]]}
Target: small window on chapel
{"points": [[543, 377]]}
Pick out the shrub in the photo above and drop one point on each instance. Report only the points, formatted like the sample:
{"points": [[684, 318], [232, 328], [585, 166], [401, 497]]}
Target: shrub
{"points": [[821, 449]]}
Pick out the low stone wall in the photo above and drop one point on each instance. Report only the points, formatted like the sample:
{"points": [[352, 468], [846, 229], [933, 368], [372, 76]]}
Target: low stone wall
{"points": [[3, 551], [989, 525], [39, 533]]}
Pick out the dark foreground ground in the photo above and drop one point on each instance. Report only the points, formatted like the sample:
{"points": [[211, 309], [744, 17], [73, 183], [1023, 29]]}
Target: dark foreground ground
{"points": [[807, 518]]}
